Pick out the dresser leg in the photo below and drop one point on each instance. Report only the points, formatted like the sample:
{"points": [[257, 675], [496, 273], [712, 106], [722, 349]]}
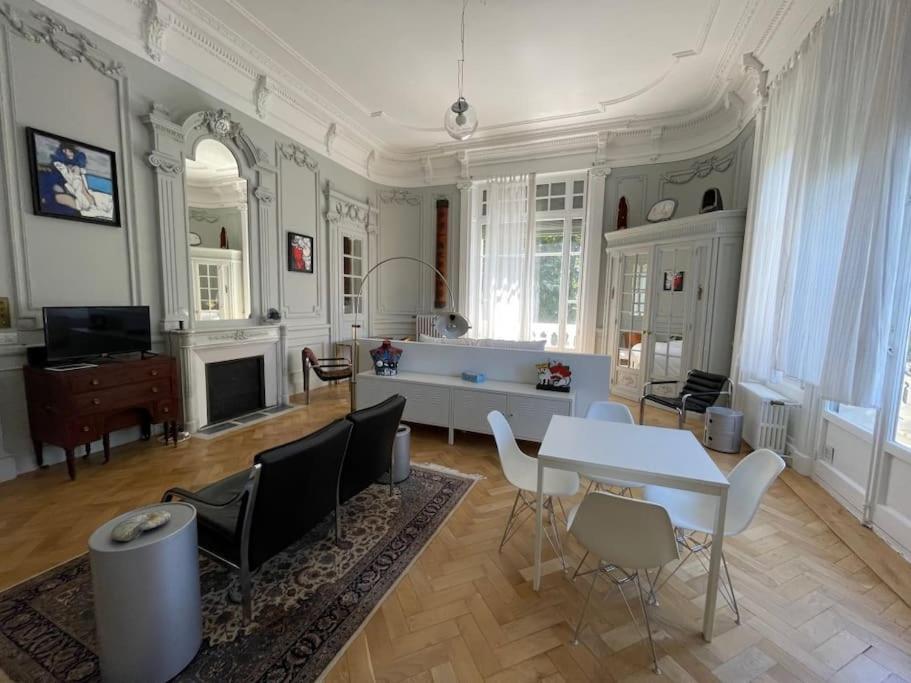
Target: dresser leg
{"points": [[39, 453], [106, 442], [174, 432], [71, 463], [88, 449]]}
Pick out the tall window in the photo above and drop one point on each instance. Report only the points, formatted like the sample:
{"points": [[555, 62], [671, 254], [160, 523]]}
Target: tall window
{"points": [[558, 226]]}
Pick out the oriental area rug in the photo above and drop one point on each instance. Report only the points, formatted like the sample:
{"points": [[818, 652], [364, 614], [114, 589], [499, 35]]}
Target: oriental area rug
{"points": [[309, 600]]}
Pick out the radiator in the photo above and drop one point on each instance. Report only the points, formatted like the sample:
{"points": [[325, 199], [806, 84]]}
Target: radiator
{"points": [[425, 323], [765, 416]]}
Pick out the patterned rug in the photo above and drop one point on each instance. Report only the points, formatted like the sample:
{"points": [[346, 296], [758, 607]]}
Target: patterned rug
{"points": [[308, 601]]}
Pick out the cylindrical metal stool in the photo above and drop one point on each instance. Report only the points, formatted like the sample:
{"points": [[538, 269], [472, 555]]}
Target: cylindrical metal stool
{"points": [[401, 456], [147, 602], [723, 429]]}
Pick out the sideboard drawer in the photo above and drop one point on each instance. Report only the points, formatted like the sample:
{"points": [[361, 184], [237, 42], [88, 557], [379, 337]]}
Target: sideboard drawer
{"points": [[118, 397], [425, 403], [530, 415], [83, 429], [470, 409], [116, 374]]}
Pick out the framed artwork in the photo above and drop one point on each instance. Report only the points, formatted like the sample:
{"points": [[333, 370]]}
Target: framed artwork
{"points": [[72, 180], [673, 282], [300, 253]]}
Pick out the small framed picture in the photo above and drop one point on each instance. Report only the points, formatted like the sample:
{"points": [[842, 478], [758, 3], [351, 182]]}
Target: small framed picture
{"points": [[673, 282], [72, 180], [300, 253]]}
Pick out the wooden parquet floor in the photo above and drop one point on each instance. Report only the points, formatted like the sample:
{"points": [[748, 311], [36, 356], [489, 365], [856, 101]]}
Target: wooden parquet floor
{"points": [[812, 609]]}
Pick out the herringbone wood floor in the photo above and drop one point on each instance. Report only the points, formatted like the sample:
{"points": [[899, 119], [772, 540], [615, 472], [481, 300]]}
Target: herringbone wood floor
{"points": [[812, 609]]}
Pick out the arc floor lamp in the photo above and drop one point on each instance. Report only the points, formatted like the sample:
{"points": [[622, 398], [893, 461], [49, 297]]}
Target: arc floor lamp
{"points": [[450, 324]]}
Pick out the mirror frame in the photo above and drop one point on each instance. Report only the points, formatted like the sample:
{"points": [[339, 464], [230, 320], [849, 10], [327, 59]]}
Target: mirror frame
{"points": [[172, 144]]}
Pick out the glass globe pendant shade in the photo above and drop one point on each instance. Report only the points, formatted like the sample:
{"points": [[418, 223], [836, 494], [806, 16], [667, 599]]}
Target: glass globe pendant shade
{"points": [[461, 119]]}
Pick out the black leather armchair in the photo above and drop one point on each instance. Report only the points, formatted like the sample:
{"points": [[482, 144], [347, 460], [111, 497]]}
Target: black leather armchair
{"points": [[370, 449], [700, 390], [246, 518]]}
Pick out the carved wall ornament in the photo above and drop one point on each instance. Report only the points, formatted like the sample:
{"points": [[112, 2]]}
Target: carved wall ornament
{"points": [[400, 197], [264, 195], [261, 95], [427, 167], [754, 67], [219, 123], [297, 154], [371, 159], [157, 21], [600, 170], [700, 169], [340, 209], [330, 138], [165, 164], [203, 216], [71, 45]]}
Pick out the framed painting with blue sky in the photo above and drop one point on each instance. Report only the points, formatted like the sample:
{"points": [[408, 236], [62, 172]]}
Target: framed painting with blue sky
{"points": [[72, 180]]}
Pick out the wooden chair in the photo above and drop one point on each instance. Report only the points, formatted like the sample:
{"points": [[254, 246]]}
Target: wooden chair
{"points": [[327, 369]]}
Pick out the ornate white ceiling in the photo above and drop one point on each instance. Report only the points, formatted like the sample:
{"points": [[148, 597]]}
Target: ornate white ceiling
{"points": [[624, 81]]}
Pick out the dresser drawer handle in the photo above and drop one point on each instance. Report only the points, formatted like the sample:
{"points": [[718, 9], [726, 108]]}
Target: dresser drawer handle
{"points": [[96, 401], [154, 390], [85, 428], [154, 373], [165, 410], [95, 382]]}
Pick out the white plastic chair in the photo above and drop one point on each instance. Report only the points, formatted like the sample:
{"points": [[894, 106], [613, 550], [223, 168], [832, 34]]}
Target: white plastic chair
{"points": [[608, 411], [521, 471], [695, 512], [626, 535]]}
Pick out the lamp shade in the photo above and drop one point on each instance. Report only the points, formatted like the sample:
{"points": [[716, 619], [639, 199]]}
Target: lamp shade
{"points": [[451, 325], [461, 119]]}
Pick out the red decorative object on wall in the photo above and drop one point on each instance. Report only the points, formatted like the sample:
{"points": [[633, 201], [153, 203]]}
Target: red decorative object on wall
{"points": [[622, 214], [440, 297]]}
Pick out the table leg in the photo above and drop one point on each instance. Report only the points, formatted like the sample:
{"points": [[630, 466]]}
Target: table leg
{"points": [[106, 442], [711, 591], [539, 526], [71, 463]]}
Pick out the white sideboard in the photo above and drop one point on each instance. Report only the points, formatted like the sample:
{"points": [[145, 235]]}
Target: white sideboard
{"points": [[451, 402]]}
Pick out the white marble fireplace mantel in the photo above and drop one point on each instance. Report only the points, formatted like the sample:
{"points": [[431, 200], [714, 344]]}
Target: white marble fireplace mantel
{"points": [[195, 348]]}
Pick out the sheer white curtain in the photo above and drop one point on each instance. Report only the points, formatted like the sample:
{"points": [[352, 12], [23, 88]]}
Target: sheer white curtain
{"points": [[829, 277], [501, 246]]}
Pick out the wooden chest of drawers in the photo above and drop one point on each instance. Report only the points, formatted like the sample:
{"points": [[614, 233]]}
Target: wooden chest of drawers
{"points": [[76, 407]]}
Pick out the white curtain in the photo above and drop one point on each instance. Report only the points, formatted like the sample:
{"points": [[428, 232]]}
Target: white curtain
{"points": [[829, 279], [500, 301]]}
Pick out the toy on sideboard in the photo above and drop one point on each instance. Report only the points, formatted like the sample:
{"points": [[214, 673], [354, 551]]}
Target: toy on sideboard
{"points": [[386, 359], [553, 376]]}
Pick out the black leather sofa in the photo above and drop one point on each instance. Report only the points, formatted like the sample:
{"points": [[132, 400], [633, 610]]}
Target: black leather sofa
{"points": [[246, 518], [370, 448]]}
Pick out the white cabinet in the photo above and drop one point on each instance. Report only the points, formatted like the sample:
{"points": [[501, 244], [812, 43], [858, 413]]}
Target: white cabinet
{"points": [[446, 401], [671, 299]]}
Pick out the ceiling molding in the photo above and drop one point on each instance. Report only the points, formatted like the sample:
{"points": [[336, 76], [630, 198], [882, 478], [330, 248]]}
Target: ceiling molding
{"points": [[188, 41]]}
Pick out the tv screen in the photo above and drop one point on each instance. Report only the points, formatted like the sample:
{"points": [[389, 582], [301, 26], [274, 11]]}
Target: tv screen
{"points": [[83, 331]]}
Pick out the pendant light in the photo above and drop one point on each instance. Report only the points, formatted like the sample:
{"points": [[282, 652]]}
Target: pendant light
{"points": [[461, 119]]}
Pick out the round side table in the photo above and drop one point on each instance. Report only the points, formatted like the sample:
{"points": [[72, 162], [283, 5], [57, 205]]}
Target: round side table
{"points": [[148, 612]]}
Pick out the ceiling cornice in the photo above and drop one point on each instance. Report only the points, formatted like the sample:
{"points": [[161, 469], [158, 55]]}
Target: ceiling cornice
{"points": [[191, 43]]}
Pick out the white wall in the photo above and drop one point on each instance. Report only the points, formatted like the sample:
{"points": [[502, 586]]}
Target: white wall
{"points": [[45, 261]]}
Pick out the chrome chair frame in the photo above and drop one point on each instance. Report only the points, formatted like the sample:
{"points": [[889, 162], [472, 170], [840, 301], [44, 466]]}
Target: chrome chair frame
{"points": [[516, 520], [251, 486], [681, 411]]}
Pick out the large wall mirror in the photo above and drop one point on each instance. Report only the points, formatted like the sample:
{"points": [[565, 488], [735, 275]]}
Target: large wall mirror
{"points": [[218, 233]]}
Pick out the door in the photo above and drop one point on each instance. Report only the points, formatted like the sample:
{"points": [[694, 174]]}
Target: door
{"points": [[671, 326], [350, 252], [629, 341]]}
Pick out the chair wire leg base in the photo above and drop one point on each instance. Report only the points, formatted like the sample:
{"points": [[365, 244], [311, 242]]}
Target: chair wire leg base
{"points": [[522, 510], [588, 597], [648, 627]]}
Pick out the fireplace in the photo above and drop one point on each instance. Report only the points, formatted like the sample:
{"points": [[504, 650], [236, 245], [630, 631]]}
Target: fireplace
{"points": [[234, 387]]}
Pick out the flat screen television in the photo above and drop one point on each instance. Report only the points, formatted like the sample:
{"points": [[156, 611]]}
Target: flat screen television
{"points": [[72, 332]]}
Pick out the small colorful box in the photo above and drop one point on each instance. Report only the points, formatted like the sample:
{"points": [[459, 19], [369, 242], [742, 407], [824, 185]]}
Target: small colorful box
{"points": [[476, 377]]}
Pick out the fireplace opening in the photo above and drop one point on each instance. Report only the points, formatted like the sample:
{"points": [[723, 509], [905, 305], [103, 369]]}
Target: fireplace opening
{"points": [[235, 387]]}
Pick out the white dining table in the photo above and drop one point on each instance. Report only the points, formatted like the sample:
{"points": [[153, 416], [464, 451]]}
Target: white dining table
{"points": [[644, 454]]}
